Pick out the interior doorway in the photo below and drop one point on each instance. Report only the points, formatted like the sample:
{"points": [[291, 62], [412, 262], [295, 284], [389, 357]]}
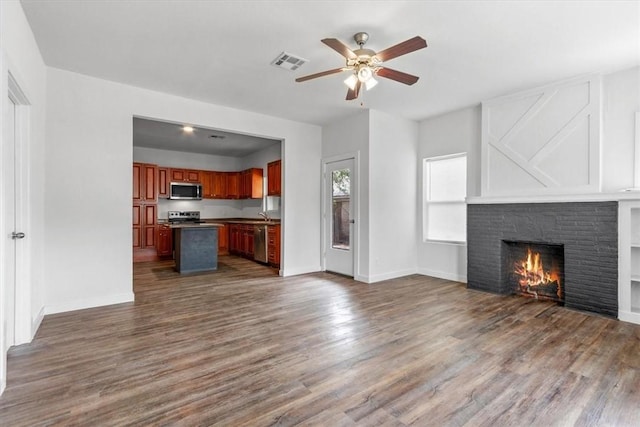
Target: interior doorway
{"points": [[340, 213], [14, 305]]}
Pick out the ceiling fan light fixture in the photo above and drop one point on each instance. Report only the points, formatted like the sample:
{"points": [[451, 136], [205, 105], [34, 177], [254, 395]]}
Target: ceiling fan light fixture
{"points": [[364, 73], [351, 82], [371, 83]]}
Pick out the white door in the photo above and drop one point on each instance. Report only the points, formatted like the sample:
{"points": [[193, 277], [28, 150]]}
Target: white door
{"points": [[339, 216], [9, 217]]}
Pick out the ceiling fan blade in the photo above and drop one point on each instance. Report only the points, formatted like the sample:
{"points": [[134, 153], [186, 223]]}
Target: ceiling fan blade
{"points": [[398, 76], [340, 47], [353, 94], [321, 74], [403, 48]]}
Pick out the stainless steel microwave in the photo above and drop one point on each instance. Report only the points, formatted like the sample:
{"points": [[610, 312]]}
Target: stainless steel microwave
{"points": [[185, 191]]}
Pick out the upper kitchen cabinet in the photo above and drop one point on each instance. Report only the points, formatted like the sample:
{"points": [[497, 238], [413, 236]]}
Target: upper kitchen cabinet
{"points": [[214, 184], [251, 184], [274, 178], [145, 183], [185, 175], [163, 183], [233, 185], [219, 184]]}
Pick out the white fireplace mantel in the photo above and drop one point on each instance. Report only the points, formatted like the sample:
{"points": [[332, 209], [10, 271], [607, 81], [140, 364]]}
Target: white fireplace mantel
{"points": [[557, 198]]}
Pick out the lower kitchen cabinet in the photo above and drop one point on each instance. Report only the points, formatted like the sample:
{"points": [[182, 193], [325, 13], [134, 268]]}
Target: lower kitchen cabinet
{"points": [[273, 245], [165, 241], [241, 240], [223, 240]]}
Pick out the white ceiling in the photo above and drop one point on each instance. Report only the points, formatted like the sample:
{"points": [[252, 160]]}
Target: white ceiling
{"points": [[171, 136], [220, 51]]}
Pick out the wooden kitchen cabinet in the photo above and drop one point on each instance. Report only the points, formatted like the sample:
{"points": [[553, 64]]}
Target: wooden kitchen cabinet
{"points": [[241, 240], [165, 241], [223, 240], [214, 184], [163, 183], [206, 179], [251, 184], [234, 238], [274, 178], [145, 183], [184, 175], [273, 245], [144, 226], [145, 210], [233, 185], [247, 241], [219, 185]]}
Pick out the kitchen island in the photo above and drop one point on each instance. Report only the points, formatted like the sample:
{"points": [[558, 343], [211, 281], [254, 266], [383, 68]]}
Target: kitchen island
{"points": [[196, 247]]}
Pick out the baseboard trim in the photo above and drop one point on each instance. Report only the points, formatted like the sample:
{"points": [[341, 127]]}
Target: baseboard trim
{"points": [[89, 303], [627, 316], [390, 275], [300, 270], [443, 275], [35, 323]]}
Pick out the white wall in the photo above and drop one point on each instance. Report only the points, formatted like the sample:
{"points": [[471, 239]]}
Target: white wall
{"points": [[393, 144], [345, 137], [621, 100], [19, 55], [88, 193], [386, 227], [451, 133]]}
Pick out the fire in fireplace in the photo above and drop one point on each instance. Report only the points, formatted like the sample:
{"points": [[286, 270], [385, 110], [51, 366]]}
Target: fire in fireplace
{"points": [[536, 270]]}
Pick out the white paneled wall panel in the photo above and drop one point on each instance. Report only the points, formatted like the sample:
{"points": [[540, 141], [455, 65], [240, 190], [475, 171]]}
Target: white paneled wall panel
{"points": [[543, 141]]}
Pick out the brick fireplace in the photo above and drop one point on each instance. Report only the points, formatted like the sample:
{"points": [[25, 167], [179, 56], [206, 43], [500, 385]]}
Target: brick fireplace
{"points": [[584, 233]]}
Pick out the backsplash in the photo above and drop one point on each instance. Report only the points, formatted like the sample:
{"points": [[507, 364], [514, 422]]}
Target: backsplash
{"points": [[213, 208]]}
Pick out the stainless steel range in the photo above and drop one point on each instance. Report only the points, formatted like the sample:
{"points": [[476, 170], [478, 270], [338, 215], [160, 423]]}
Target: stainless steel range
{"points": [[180, 217]]}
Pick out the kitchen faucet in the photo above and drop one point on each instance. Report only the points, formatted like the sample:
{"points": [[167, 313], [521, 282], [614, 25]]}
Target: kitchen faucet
{"points": [[264, 215]]}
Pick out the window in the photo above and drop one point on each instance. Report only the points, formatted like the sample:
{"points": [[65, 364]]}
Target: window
{"points": [[445, 190]]}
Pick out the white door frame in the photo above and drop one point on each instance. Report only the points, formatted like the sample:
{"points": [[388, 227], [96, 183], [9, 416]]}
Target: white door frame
{"points": [[23, 333], [355, 199], [9, 87]]}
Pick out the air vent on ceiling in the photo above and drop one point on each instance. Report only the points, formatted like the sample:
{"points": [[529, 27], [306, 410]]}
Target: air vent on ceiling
{"points": [[217, 136], [288, 61]]}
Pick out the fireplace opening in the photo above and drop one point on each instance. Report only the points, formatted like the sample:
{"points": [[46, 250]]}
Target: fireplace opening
{"points": [[534, 269]]}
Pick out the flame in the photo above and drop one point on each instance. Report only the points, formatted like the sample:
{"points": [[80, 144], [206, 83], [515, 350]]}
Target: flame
{"points": [[532, 273]]}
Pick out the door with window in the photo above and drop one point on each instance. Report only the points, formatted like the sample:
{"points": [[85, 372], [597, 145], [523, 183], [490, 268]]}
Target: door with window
{"points": [[339, 216]]}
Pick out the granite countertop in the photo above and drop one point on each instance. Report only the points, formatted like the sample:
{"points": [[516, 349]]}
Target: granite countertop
{"points": [[220, 222], [250, 221]]}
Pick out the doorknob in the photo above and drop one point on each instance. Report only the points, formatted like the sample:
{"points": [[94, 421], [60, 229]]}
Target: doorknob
{"points": [[352, 221], [15, 235]]}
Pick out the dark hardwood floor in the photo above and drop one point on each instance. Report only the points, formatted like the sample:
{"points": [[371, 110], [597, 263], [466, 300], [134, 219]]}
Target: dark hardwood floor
{"points": [[243, 346]]}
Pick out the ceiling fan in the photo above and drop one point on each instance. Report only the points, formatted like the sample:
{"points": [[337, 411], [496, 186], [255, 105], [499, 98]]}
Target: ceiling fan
{"points": [[365, 63]]}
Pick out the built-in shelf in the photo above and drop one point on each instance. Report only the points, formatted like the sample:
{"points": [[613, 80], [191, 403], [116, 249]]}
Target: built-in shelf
{"points": [[629, 260]]}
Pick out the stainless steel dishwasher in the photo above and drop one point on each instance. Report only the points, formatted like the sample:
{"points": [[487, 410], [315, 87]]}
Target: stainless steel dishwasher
{"points": [[260, 243]]}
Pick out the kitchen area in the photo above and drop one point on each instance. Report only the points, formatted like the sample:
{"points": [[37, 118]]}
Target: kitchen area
{"points": [[196, 190]]}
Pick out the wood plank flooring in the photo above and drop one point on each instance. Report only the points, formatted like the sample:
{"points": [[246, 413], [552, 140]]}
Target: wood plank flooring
{"points": [[244, 347]]}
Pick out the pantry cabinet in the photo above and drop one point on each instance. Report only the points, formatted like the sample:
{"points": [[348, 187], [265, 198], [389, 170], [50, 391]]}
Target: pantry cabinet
{"points": [[145, 208]]}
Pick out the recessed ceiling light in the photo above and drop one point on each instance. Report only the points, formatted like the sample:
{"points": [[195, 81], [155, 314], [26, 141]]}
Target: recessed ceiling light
{"points": [[187, 129]]}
